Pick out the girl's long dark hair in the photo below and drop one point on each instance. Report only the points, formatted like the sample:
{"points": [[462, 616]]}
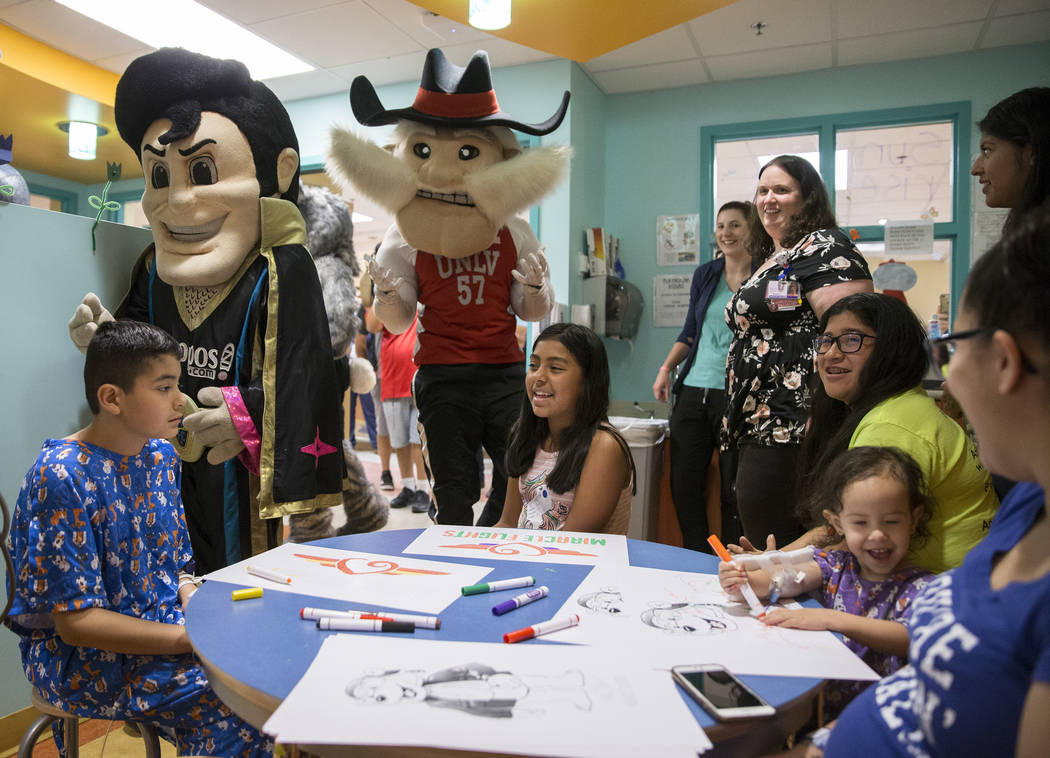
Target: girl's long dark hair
{"points": [[1022, 119], [898, 361], [592, 409], [816, 211]]}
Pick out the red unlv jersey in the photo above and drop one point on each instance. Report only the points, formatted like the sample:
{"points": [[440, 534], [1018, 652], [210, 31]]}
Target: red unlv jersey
{"points": [[467, 316]]}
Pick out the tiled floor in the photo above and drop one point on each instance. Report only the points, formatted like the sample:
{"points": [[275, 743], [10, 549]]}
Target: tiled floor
{"points": [[106, 739]]}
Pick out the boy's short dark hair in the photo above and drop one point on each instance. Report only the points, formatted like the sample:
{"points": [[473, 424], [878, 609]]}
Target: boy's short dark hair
{"points": [[118, 354]]}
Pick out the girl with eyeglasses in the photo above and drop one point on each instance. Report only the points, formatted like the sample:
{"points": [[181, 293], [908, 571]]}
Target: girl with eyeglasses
{"points": [[871, 357]]}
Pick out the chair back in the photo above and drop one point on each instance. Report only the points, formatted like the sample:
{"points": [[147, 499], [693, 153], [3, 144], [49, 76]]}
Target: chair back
{"points": [[9, 566]]}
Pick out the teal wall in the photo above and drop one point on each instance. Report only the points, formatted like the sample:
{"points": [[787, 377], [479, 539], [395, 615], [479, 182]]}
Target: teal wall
{"points": [[652, 144], [46, 267]]}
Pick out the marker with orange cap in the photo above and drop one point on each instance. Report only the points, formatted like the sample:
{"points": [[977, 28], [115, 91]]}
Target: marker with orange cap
{"points": [[745, 588], [546, 627]]}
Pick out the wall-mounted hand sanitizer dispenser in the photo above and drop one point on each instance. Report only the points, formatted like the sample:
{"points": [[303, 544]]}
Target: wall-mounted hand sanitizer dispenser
{"points": [[623, 308]]}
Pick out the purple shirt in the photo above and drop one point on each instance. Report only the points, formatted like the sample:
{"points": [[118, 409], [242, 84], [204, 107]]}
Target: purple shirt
{"points": [[843, 589]]}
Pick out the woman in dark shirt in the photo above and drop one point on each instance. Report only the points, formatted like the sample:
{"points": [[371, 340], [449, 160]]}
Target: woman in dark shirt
{"points": [[775, 316]]}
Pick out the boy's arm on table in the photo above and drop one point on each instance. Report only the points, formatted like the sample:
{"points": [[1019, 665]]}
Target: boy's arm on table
{"points": [[890, 637], [108, 630], [1033, 737], [511, 506], [605, 473]]}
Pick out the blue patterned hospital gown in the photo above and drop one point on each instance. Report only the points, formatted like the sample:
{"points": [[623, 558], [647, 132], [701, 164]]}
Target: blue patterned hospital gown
{"points": [[96, 529]]}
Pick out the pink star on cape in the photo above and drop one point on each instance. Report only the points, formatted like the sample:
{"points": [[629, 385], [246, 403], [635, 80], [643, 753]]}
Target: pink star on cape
{"points": [[317, 448]]}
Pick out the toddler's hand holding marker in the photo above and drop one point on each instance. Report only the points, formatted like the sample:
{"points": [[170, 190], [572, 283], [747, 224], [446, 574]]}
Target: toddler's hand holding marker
{"points": [[735, 578]]}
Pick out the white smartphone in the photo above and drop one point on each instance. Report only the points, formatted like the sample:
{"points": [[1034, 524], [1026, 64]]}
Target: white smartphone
{"points": [[720, 693]]}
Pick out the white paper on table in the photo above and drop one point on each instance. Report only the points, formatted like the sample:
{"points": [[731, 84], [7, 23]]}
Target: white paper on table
{"points": [[535, 545], [356, 577], [674, 617], [549, 700]]}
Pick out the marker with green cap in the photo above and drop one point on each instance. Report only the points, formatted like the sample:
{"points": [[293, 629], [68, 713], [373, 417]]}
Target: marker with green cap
{"points": [[502, 584]]}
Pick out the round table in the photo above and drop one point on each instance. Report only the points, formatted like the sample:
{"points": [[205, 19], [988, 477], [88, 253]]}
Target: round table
{"points": [[255, 651]]}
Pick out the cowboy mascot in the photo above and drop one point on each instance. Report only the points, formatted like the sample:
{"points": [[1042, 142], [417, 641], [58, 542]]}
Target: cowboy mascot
{"points": [[229, 277], [454, 177]]}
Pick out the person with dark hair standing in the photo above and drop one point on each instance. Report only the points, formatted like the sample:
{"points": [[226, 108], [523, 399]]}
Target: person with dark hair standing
{"points": [[1013, 164], [871, 357], [699, 389], [978, 679], [809, 264], [569, 468], [229, 277]]}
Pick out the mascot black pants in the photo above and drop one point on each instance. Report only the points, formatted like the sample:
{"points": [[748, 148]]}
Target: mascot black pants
{"points": [[460, 408]]}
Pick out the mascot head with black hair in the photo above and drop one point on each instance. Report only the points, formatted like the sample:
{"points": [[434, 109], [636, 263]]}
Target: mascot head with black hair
{"points": [[211, 141]]}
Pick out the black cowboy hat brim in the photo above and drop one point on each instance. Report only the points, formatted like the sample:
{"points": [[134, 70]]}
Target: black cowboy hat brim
{"points": [[369, 111]]}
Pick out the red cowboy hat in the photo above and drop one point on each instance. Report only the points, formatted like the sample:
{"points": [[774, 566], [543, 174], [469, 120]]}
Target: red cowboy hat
{"points": [[448, 96]]}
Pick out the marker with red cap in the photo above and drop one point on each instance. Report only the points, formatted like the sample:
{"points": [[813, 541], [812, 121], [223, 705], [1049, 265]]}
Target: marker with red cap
{"points": [[554, 625], [745, 589]]}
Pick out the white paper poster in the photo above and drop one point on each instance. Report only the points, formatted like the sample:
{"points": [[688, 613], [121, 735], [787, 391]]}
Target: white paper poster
{"points": [[678, 617], [355, 577], [671, 299], [909, 238], [677, 240], [536, 545], [550, 700], [987, 229]]}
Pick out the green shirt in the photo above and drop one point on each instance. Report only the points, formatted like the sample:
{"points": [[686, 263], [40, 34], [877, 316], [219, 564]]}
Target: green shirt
{"points": [[948, 458], [709, 367]]}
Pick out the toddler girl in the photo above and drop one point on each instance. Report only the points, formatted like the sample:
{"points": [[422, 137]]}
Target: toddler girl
{"points": [[875, 499], [567, 467]]}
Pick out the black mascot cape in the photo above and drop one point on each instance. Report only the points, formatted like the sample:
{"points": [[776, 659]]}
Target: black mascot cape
{"points": [[229, 277]]}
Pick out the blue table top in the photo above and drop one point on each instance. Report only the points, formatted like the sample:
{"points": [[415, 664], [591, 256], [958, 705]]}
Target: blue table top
{"points": [[263, 643]]}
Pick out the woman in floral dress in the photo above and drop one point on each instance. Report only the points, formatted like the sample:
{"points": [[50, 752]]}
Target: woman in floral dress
{"points": [[775, 315]]}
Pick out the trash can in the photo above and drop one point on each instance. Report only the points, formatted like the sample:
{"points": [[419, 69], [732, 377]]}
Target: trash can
{"points": [[646, 438]]}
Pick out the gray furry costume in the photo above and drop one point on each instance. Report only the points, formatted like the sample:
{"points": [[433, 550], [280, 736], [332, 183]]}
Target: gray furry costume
{"points": [[329, 238]]}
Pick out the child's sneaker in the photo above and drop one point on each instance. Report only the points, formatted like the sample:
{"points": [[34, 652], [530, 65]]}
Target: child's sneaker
{"points": [[421, 503], [406, 496], [386, 482]]}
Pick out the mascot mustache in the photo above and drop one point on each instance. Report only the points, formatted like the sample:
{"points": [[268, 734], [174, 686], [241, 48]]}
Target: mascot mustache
{"points": [[498, 192]]}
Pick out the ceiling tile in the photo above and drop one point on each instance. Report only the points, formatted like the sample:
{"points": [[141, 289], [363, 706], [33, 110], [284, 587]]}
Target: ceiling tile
{"points": [[1018, 30], [769, 62], [67, 30], [392, 70], [307, 84], [728, 30], [670, 45], [916, 43], [117, 63], [247, 12], [1009, 7], [501, 53], [337, 35], [858, 18], [425, 27], [660, 76]]}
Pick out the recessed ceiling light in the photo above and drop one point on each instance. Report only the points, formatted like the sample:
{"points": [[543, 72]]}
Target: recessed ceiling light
{"points": [[188, 24]]}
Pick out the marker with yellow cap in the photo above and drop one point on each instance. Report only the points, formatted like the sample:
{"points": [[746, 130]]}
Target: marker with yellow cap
{"points": [[247, 593]]}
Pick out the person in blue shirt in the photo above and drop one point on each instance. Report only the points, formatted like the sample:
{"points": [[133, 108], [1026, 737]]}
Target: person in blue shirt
{"points": [[978, 682], [701, 350], [102, 558]]}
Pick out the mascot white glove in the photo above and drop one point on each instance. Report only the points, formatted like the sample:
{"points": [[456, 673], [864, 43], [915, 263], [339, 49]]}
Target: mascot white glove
{"points": [[213, 426], [385, 283], [362, 376], [88, 316], [532, 270]]}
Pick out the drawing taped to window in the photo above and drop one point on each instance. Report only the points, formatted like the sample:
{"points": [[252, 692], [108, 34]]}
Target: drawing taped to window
{"points": [[476, 689]]}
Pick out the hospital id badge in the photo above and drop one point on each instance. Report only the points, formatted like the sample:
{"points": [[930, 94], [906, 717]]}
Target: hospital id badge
{"points": [[783, 295]]}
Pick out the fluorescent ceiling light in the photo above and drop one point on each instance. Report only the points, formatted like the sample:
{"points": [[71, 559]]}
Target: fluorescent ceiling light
{"points": [[188, 24], [82, 139]]}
